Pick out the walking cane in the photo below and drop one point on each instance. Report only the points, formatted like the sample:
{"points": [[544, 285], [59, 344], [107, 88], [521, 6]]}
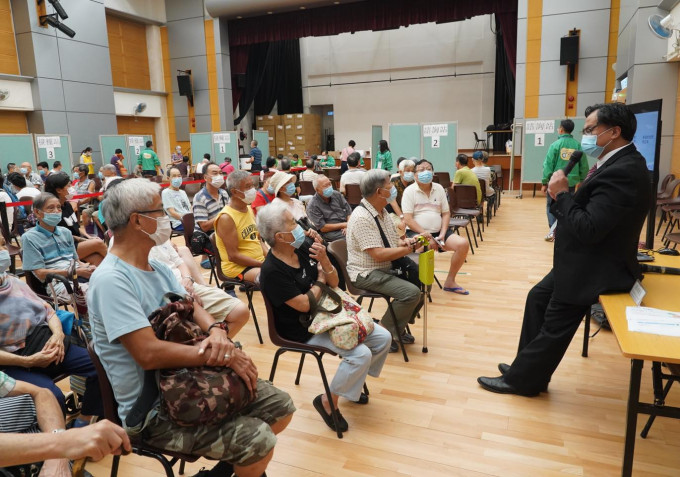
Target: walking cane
{"points": [[426, 275]]}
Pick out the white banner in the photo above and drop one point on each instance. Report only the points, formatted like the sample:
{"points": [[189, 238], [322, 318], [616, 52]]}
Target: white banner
{"points": [[540, 127], [222, 138], [49, 141], [136, 141], [431, 130]]}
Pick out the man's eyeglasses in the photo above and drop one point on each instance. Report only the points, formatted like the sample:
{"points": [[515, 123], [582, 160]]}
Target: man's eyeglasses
{"points": [[149, 211], [588, 131]]}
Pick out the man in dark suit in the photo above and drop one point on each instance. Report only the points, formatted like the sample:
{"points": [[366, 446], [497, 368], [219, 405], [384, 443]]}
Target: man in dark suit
{"points": [[598, 229]]}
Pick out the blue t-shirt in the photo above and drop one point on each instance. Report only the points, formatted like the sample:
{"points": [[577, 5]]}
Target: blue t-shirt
{"points": [[120, 298], [45, 249], [257, 156]]}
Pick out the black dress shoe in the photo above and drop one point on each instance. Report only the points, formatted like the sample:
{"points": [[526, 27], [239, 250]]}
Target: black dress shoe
{"points": [[498, 385], [221, 469], [503, 368], [363, 399], [407, 338], [394, 347], [328, 418]]}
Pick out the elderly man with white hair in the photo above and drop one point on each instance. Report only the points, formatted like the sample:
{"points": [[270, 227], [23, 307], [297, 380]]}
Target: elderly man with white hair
{"points": [[110, 174], [328, 210], [124, 291], [370, 259]]}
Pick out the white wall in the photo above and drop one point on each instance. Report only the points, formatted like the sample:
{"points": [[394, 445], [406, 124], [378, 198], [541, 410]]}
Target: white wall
{"points": [[20, 95], [149, 10], [417, 51]]}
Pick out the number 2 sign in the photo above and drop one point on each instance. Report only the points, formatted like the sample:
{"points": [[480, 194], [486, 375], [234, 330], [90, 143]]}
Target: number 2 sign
{"points": [[435, 142]]}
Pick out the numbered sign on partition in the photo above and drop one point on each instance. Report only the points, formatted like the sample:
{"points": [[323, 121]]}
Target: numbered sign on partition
{"points": [[539, 140], [138, 150], [137, 141], [435, 130], [435, 142], [222, 139], [50, 153], [223, 148]]}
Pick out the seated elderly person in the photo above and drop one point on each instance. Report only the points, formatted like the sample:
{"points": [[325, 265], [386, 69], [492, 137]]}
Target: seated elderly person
{"points": [[265, 195], [308, 174], [236, 235], [48, 248], [208, 202], [483, 172], [31, 177], [33, 430], [175, 201], [20, 188], [83, 186], [127, 345], [354, 174], [288, 274], [426, 212], [109, 175], [465, 176], [220, 305], [283, 184], [90, 249], [328, 210], [404, 178], [33, 347], [369, 261]]}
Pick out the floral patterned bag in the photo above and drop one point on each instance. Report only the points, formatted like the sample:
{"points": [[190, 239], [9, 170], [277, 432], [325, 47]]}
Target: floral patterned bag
{"points": [[349, 326]]}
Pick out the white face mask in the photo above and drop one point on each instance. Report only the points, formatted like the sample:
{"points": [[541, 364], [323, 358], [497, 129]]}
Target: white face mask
{"points": [[249, 196], [217, 181], [163, 230]]}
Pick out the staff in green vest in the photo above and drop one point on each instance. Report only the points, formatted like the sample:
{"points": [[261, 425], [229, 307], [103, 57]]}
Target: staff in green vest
{"points": [[148, 159]]}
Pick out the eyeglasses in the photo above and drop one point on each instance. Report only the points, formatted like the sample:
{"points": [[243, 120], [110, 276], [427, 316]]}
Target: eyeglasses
{"points": [[149, 211], [590, 130]]}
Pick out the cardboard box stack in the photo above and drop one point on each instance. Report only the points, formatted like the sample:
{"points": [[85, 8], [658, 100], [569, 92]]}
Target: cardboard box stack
{"points": [[269, 123], [302, 134]]}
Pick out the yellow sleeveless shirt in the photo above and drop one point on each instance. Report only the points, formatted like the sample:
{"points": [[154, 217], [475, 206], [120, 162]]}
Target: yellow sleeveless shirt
{"points": [[248, 240]]}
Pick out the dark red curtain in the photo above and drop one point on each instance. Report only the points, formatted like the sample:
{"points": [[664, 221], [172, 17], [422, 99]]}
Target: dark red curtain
{"points": [[359, 16], [507, 27]]}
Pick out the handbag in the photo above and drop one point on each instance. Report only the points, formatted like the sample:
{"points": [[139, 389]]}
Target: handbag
{"points": [[200, 243], [403, 267], [337, 313], [189, 396]]}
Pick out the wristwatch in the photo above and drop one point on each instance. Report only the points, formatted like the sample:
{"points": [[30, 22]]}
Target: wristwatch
{"points": [[219, 324]]}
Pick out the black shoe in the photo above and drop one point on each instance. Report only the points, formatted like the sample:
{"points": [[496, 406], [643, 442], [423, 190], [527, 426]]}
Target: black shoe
{"points": [[363, 399], [394, 347], [498, 385], [407, 338], [327, 418], [503, 368], [220, 470]]}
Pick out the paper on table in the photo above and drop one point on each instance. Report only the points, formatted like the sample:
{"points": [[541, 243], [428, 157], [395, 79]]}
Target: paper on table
{"points": [[652, 320]]}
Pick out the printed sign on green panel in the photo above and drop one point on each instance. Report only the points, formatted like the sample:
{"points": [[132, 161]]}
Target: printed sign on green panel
{"points": [[440, 145], [54, 148], [225, 144], [136, 144]]}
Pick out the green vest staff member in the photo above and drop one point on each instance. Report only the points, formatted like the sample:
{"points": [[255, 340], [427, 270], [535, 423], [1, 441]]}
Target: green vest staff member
{"points": [[149, 161], [383, 160], [557, 158]]}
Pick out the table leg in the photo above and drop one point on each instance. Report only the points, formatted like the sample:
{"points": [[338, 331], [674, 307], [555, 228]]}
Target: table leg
{"points": [[631, 418], [657, 382]]}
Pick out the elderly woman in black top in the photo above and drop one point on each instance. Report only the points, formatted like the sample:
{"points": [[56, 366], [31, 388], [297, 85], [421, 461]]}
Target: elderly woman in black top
{"points": [[288, 273]]}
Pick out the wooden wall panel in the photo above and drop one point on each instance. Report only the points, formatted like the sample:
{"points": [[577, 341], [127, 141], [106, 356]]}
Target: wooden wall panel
{"points": [[136, 126], [128, 53], [9, 63], [13, 122]]}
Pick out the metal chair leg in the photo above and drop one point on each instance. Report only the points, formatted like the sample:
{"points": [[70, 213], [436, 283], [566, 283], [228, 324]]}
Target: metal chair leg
{"points": [[299, 371], [278, 353], [114, 465], [586, 334], [181, 466], [249, 294], [370, 305]]}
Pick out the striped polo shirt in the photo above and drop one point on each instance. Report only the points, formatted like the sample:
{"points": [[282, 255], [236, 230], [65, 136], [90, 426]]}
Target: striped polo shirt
{"points": [[45, 249], [207, 208]]}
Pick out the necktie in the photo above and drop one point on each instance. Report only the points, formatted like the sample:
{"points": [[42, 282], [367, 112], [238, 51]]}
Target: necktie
{"points": [[591, 172]]}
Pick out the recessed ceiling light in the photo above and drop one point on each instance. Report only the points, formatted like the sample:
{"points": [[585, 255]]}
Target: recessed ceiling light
{"points": [[336, 3], [302, 8], [239, 17], [269, 13]]}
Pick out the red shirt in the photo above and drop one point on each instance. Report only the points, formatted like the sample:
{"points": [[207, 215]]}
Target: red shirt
{"points": [[260, 200]]}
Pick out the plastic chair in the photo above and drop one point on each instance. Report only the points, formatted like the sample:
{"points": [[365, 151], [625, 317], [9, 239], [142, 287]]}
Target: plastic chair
{"points": [[304, 349], [466, 205], [14, 250], [353, 194], [338, 249], [188, 224], [248, 287], [486, 200], [111, 413], [443, 178], [458, 222], [480, 144], [306, 188]]}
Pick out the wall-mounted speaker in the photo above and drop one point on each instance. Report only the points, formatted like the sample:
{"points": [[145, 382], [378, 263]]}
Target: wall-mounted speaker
{"points": [[569, 50], [184, 85]]}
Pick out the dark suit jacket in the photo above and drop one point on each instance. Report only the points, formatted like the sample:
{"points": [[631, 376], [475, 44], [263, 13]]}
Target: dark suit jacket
{"points": [[599, 228]]}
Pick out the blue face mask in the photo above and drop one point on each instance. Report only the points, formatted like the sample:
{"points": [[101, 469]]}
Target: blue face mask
{"points": [[425, 177], [42, 172], [52, 219], [176, 182], [290, 188], [299, 235], [4, 262], [393, 195], [328, 191], [589, 144], [76, 175], [100, 175], [270, 190], [23, 171], [408, 176]]}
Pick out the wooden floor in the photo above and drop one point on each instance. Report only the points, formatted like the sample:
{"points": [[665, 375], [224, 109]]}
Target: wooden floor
{"points": [[429, 417]]}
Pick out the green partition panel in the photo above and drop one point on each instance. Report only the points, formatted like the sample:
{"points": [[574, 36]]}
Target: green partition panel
{"points": [[539, 134], [440, 145], [405, 140], [201, 143], [16, 148], [376, 136], [108, 145], [135, 145], [262, 138], [55, 147], [225, 144]]}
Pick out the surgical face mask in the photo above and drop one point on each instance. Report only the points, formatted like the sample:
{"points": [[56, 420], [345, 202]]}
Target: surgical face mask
{"points": [[4, 262], [76, 175], [52, 218], [589, 144], [328, 191], [290, 188], [425, 177], [249, 196], [393, 194], [23, 171], [217, 181], [42, 172], [299, 235], [409, 177], [100, 175], [270, 190], [176, 182], [163, 230]]}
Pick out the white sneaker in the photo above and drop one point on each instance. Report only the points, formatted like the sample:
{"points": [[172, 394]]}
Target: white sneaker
{"points": [[550, 237]]}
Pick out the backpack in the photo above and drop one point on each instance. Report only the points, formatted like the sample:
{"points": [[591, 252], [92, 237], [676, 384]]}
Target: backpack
{"points": [[200, 243]]}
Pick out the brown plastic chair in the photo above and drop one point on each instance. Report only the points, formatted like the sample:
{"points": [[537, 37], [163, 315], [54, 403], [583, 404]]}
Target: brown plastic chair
{"points": [[353, 194], [188, 224], [443, 178], [486, 200], [111, 413], [667, 197], [334, 176], [338, 249], [304, 349], [306, 188], [192, 190], [458, 222], [466, 205], [248, 287]]}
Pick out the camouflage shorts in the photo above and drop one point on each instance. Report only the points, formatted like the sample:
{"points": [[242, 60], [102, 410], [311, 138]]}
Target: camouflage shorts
{"points": [[243, 440]]}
